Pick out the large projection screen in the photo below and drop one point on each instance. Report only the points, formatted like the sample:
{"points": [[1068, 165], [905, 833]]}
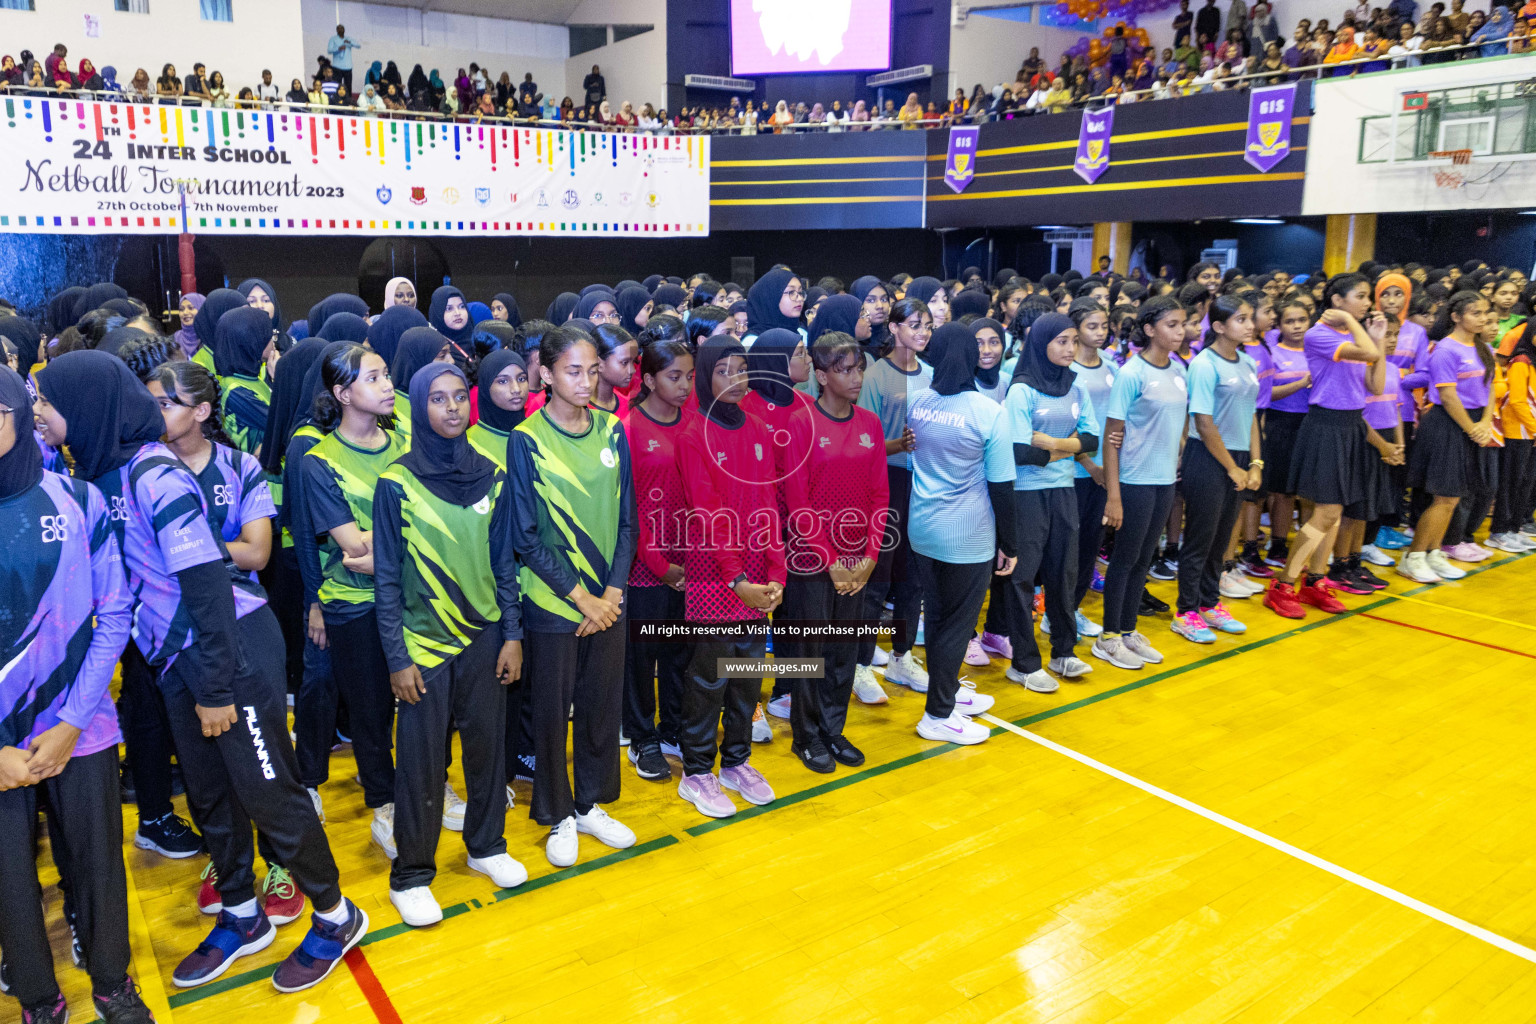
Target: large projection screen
{"points": [[779, 37]]}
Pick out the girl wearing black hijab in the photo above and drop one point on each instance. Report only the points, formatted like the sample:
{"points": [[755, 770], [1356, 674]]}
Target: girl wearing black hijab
{"points": [[503, 388], [504, 308], [774, 300], [930, 291], [263, 296], [561, 309], [418, 347], [668, 298], [874, 310], [1052, 421], [227, 660], [340, 302], [961, 528], [240, 341], [635, 305], [204, 324], [65, 580], [344, 326], [385, 331], [442, 523], [729, 476], [597, 304], [777, 363], [449, 316]]}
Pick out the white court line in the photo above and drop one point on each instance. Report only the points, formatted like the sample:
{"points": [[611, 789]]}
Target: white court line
{"points": [[1492, 938]]}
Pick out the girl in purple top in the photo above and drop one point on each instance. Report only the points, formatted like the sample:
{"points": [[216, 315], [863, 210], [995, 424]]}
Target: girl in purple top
{"points": [[218, 652], [1384, 484], [1290, 386], [1328, 464], [1451, 460], [67, 612], [1264, 317]]}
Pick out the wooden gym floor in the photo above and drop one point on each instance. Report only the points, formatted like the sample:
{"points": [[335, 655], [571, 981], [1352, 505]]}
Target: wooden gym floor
{"points": [[1320, 821]]}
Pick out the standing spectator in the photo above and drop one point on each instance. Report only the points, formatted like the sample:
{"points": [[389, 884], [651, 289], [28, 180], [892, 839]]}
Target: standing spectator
{"points": [[1262, 29], [56, 59], [1403, 10], [268, 91], [1119, 59], [597, 89], [1237, 18], [1458, 18], [1181, 23], [339, 48], [465, 87], [528, 96], [1208, 21], [1033, 64]]}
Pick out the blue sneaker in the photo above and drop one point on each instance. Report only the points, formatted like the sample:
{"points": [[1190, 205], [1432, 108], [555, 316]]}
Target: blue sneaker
{"points": [[1086, 626], [316, 957], [1388, 538], [1219, 618], [1192, 627], [232, 938], [1097, 586]]}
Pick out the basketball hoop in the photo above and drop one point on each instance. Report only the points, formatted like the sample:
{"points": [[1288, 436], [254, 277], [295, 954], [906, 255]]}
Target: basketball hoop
{"points": [[1455, 156], [1450, 176]]}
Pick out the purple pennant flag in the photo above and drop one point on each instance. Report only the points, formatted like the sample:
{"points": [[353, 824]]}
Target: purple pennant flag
{"points": [[960, 164], [1269, 126], [1093, 144]]}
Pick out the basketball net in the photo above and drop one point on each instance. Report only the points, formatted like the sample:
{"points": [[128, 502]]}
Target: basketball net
{"points": [[1448, 177]]}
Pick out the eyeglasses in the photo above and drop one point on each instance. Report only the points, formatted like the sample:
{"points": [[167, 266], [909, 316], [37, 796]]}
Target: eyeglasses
{"points": [[601, 318]]}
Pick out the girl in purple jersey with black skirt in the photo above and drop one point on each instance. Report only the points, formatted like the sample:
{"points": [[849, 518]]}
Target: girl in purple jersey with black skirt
{"points": [[1329, 465], [1451, 459], [1290, 388]]}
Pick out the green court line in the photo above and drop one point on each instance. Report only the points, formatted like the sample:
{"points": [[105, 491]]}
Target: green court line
{"points": [[791, 799]]}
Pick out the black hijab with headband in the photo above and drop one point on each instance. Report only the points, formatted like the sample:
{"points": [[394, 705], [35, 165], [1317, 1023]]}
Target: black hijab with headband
{"points": [[970, 303], [989, 378], [768, 365], [954, 354], [670, 295], [711, 351], [438, 311], [653, 282], [879, 334], [96, 296], [837, 313], [1033, 367], [631, 302], [418, 347], [218, 302], [239, 340], [340, 302], [21, 468], [491, 414], [763, 303], [514, 315], [560, 310], [385, 331], [450, 468], [344, 327], [110, 414], [287, 407], [924, 288], [245, 288], [589, 300]]}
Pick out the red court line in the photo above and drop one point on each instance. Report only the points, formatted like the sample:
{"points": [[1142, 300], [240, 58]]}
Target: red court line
{"points": [[378, 999], [1448, 636]]}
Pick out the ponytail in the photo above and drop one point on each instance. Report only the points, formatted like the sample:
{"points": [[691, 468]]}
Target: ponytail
{"points": [[338, 370], [656, 357], [1443, 325], [195, 380], [1222, 309]]}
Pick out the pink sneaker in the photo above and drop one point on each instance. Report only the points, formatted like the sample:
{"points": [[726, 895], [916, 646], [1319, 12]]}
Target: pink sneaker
{"points": [[996, 643], [1466, 551], [974, 655], [703, 791], [749, 782]]}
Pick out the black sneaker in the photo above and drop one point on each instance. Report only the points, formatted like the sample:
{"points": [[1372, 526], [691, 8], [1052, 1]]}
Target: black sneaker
{"points": [[845, 752], [524, 770], [649, 764], [1364, 576], [1163, 569], [54, 1013], [123, 1006], [815, 757], [169, 837], [1151, 604], [1279, 554], [126, 792]]}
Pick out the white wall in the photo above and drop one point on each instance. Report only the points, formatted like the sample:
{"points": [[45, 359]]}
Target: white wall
{"points": [[264, 34], [990, 50], [409, 36], [635, 69]]}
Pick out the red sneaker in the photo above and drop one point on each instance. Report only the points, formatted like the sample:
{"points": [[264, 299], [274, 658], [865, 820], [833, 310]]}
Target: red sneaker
{"points": [[1280, 598], [280, 898], [208, 899], [1318, 592]]}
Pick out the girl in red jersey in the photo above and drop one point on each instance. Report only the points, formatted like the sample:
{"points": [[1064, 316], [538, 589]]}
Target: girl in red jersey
{"points": [[735, 573], [617, 352], [659, 425], [837, 493]]}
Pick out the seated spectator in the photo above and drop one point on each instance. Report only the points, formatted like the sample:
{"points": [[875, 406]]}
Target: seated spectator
{"points": [[567, 110], [781, 118], [1273, 64], [1187, 56], [317, 96], [140, 88], [506, 92], [343, 97], [217, 90], [601, 115], [393, 100], [1405, 50], [296, 93], [196, 87], [859, 119], [1231, 51], [247, 100], [1057, 98], [372, 102], [1500, 26], [1299, 53], [10, 74], [626, 118], [109, 81], [1373, 45], [88, 79], [1344, 49], [62, 77], [168, 86], [1520, 37]]}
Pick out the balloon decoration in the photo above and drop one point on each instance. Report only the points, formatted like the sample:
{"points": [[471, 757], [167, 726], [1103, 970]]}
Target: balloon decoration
{"points": [[1096, 51]]}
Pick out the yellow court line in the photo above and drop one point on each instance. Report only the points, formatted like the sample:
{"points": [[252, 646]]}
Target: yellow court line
{"points": [[816, 199], [1121, 186], [811, 181], [146, 969], [1465, 611], [817, 161]]}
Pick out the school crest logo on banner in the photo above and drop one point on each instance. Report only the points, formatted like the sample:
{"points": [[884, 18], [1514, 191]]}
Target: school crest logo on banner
{"points": [[384, 194], [1269, 126], [419, 195], [960, 165], [482, 196], [1093, 144]]}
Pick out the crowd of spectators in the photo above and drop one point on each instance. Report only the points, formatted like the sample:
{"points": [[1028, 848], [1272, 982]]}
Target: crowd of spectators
{"points": [[1205, 57]]}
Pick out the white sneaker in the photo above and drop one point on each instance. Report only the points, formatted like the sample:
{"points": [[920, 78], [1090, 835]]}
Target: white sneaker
{"points": [[974, 655], [906, 671], [1234, 586], [778, 707], [453, 809], [762, 732], [1442, 567], [623, 740], [383, 829], [954, 729], [1373, 555], [1069, 667], [1039, 680], [314, 796], [511, 797], [501, 869], [970, 703], [1513, 543], [1416, 567], [1086, 627], [881, 659], [418, 907], [1113, 650], [597, 824], [866, 688], [562, 846], [1142, 648]]}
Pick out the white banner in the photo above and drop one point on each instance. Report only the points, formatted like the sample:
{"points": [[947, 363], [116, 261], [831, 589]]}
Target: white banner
{"points": [[1416, 140], [72, 167]]}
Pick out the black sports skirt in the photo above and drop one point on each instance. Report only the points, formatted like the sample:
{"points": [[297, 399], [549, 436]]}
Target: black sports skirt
{"points": [[1383, 497], [1329, 465], [1279, 443], [1445, 462]]}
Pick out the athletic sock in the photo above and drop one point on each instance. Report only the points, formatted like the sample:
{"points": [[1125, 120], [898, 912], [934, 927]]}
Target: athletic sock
{"points": [[243, 910], [337, 915]]}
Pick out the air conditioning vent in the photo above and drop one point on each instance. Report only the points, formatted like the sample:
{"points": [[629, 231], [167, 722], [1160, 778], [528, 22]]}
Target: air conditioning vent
{"points": [[722, 84], [911, 74]]}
